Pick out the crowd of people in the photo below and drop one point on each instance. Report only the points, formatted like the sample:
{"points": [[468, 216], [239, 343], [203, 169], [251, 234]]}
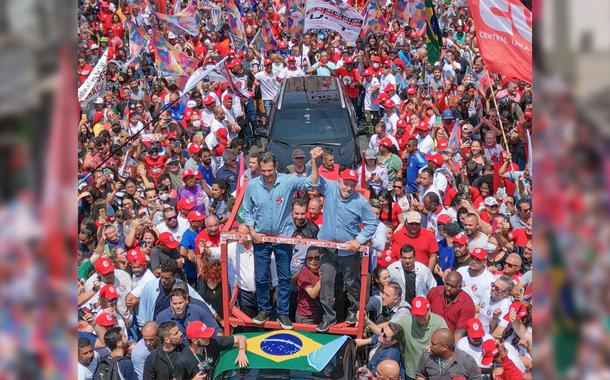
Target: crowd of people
{"points": [[442, 200]]}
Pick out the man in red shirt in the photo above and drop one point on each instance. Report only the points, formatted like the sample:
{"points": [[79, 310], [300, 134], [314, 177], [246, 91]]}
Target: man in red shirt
{"points": [[329, 170], [314, 211], [453, 304], [84, 69], [352, 81], [424, 241], [207, 242]]}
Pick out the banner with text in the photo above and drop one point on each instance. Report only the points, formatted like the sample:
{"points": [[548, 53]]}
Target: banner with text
{"points": [[333, 15], [96, 81]]}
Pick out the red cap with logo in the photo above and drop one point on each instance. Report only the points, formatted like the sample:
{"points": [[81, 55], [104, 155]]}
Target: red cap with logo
{"points": [[381, 98], [282, 44], [479, 253], [267, 62], [167, 239], [490, 350], [198, 329], [209, 100], [520, 309], [349, 175], [109, 292], [185, 204], [292, 59], [401, 123], [436, 159], [195, 216], [232, 52], [368, 71], [474, 328], [411, 91], [386, 142], [444, 219], [135, 256], [189, 173], [422, 126], [221, 134], [348, 60], [460, 238], [419, 306], [389, 87], [376, 58], [104, 266], [442, 145], [388, 103], [235, 62], [105, 319], [194, 148]]}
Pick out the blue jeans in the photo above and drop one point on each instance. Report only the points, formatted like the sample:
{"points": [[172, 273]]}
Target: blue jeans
{"points": [[247, 302], [268, 104], [262, 275], [250, 119]]}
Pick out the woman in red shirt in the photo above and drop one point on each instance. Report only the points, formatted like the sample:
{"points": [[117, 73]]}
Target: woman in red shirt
{"points": [[390, 210]]}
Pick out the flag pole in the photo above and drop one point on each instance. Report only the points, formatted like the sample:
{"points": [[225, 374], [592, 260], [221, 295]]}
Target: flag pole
{"points": [[493, 95]]}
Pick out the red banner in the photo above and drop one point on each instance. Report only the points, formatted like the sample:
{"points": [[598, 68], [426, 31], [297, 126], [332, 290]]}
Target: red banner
{"points": [[504, 33]]}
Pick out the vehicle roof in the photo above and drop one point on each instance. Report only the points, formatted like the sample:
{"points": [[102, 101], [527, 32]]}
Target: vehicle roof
{"points": [[300, 92]]}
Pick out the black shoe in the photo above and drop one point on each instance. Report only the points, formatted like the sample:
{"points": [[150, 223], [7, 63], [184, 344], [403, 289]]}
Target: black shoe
{"points": [[351, 318], [325, 325], [260, 318], [285, 322]]}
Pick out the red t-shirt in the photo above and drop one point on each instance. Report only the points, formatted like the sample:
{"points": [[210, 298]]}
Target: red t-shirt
{"points": [[349, 77], [387, 257], [317, 220], [307, 306], [396, 211], [331, 175], [83, 72], [155, 167], [520, 237], [425, 244], [208, 241], [456, 313]]}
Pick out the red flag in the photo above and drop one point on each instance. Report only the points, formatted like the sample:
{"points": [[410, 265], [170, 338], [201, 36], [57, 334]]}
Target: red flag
{"points": [[504, 33]]}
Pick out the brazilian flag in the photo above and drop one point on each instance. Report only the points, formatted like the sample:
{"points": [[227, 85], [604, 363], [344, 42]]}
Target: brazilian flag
{"points": [[285, 350], [434, 40]]}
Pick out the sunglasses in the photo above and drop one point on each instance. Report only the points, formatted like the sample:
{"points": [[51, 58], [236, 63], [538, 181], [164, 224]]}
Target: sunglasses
{"points": [[495, 288], [313, 258], [398, 187], [509, 265], [172, 218]]}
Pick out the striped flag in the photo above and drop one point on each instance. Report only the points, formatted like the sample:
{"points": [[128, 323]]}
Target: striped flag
{"points": [[411, 12], [138, 39], [267, 35], [237, 30], [172, 62], [187, 21], [374, 21], [455, 138], [295, 17], [434, 40]]}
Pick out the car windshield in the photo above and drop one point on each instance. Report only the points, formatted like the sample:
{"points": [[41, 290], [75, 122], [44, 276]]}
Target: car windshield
{"points": [[314, 124]]}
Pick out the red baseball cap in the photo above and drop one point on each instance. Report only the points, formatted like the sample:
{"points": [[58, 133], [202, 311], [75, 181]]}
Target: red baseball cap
{"points": [[437, 159], [382, 97], [419, 306], [219, 149], [135, 256], [222, 134], [490, 350], [400, 63], [267, 62], [387, 63], [291, 59], [460, 238], [386, 142], [388, 103], [232, 52], [189, 172], [389, 87], [376, 58], [479, 253], [208, 100], [235, 62], [475, 328], [105, 319], [527, 115], [401, 123], [349, 175], [411, 91], [195, 216], [368, 71], [520, 308], [185, 204], [282, 44], [167, 239], [104, 266], [444, 219], [108, 292], [194, 148], [348, 60], [422, 126], [198, 329]]}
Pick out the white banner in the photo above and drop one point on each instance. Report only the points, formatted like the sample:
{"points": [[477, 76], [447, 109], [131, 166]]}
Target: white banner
{"points": [[200, 74], [95, 82], [335, 15]]}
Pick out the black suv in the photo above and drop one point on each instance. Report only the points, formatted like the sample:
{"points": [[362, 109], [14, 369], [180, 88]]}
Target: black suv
{"points": [[311, 111]]}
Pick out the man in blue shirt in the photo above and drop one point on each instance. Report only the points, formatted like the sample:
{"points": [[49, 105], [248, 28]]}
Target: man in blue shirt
{"points": [[267, 208], [349, 210], [415, 161]]}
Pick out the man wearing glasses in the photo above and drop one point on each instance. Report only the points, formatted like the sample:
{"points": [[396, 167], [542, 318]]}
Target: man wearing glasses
{"points": [[524, 213], [172, 224], [495, 305]]}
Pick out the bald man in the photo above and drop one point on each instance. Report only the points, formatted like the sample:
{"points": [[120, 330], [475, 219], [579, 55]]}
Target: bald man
{"points": [[388, 369], [149, 341], [452, 303], [445, 361]]}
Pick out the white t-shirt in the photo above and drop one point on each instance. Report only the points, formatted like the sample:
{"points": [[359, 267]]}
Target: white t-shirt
{"points": [[207, 117], [477, 352], [86, 373], [387, 79], [374, 143], [269, 85], [425, 144], [243, 264], [369, 97], [390, 123], [286, 73], [140, 282], [176, 232], [487, 310], [479, 287]]}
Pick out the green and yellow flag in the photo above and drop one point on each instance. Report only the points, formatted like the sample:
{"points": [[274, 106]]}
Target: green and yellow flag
{"points": [[285, 349], [434, 40]]}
